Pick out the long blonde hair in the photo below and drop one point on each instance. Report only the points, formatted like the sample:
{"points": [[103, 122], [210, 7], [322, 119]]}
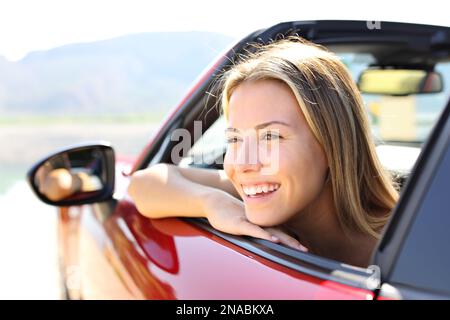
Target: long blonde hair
{"points": [[334, 111]]}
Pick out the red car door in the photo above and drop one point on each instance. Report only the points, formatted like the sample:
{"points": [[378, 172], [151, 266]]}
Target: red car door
{"points": [[182, 259]]}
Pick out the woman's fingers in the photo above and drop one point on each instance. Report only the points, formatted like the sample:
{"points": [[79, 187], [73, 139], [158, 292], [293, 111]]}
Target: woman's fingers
{"points": [[250, 229], [286, 239], [270, 234]]}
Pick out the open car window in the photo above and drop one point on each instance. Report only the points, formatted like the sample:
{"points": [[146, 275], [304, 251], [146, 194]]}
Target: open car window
{"points": [[401, 124], [209, 149]]}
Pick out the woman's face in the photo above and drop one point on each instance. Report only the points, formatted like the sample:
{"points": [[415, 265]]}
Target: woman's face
{"points": [[273, 159]]}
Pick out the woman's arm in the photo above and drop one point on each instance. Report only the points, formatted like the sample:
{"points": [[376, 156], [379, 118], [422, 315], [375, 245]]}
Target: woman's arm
{"points": [[164, 190], [209, 177], [59, 184]]}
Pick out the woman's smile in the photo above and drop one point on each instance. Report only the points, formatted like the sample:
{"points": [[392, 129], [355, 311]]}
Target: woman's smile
{"points": [[256, 193], [260, 189], [260, 194]]}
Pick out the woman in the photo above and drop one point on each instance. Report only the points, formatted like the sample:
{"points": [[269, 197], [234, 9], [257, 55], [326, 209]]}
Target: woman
{"points": [[327, 192]]}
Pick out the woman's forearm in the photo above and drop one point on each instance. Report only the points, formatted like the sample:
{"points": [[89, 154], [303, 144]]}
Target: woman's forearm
{"points": [[161, 191]]}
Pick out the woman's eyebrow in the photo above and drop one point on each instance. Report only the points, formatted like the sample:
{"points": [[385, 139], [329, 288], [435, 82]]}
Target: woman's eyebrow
{"points": [[261, 125], [266, 124]]}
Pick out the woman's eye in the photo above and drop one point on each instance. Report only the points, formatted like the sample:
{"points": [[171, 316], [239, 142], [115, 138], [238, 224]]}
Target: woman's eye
{"points": [[232, 140], [270, 136]]}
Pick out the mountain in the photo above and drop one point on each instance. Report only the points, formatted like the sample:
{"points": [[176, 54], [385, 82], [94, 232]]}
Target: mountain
{"points": [[129, 74]]}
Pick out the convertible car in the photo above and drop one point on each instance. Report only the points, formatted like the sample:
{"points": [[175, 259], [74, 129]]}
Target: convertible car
{"points": [[110, 251]]}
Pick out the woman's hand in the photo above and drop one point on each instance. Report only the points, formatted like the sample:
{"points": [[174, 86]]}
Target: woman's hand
{"points": [[286, 239], [227, 214]]}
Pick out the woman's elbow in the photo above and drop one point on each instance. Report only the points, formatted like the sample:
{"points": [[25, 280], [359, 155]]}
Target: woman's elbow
{"points": [[145, 189], [133, 186], [136, 190]]}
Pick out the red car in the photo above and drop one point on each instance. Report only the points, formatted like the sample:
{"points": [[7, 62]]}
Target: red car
{"points": [[110, 251]]}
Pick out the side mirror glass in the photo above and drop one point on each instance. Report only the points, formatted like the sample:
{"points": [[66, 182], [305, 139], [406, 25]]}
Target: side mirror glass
{"points": [[399, 82], [78, 175]]}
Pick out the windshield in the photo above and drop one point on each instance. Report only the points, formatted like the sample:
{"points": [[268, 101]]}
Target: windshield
{"points": [[405, 120]]}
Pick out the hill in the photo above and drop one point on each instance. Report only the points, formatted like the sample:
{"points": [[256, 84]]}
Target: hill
{"points": [[130, 74]]}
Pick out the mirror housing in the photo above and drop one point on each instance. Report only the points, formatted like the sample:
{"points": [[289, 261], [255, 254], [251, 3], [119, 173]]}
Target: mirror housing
{"points": [[399, 82], [76, 175]]}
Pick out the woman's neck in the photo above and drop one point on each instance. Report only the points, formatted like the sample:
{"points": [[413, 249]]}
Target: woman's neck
{"points": [[318, 229]]}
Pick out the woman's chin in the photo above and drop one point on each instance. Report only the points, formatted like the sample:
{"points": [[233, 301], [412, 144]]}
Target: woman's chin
{"points": [[262, 221]]}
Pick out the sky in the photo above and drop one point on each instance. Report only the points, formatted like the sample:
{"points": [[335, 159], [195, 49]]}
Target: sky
{"points": [[27, 25]]}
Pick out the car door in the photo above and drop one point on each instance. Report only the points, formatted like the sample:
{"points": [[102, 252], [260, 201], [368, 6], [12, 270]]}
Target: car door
{"points": [[121, 254], [414, 256]]}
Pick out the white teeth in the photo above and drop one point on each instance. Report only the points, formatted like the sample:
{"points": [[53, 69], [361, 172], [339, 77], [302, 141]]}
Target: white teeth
{"points": [[253, 190]]}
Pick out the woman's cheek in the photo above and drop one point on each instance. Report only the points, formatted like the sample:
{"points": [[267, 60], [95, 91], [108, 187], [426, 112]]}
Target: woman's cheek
{"points": [[228, 163], [270, 156]]}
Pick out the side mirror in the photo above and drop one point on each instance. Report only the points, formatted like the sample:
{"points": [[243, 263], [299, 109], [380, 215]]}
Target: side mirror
{"points": [[399, 82], [77, 175]]}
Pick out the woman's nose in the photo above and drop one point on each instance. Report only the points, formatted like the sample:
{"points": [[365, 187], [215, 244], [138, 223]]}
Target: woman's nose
{"points": [[247, 155]]}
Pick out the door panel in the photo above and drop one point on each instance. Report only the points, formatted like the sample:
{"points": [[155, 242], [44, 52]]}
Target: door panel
{"points": [[129, 256], [413, 254]]}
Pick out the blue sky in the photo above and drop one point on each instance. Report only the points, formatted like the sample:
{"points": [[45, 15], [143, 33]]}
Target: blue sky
{"points": [[27, 25]]}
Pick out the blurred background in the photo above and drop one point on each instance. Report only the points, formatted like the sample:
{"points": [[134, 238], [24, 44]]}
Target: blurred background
{"points": [[74, 71]]}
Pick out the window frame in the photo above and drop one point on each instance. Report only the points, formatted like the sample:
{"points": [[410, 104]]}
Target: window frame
{"points": [[396, 232]]}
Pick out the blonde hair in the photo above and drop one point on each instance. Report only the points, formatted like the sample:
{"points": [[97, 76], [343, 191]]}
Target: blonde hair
{"points": [[334, 111]]}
